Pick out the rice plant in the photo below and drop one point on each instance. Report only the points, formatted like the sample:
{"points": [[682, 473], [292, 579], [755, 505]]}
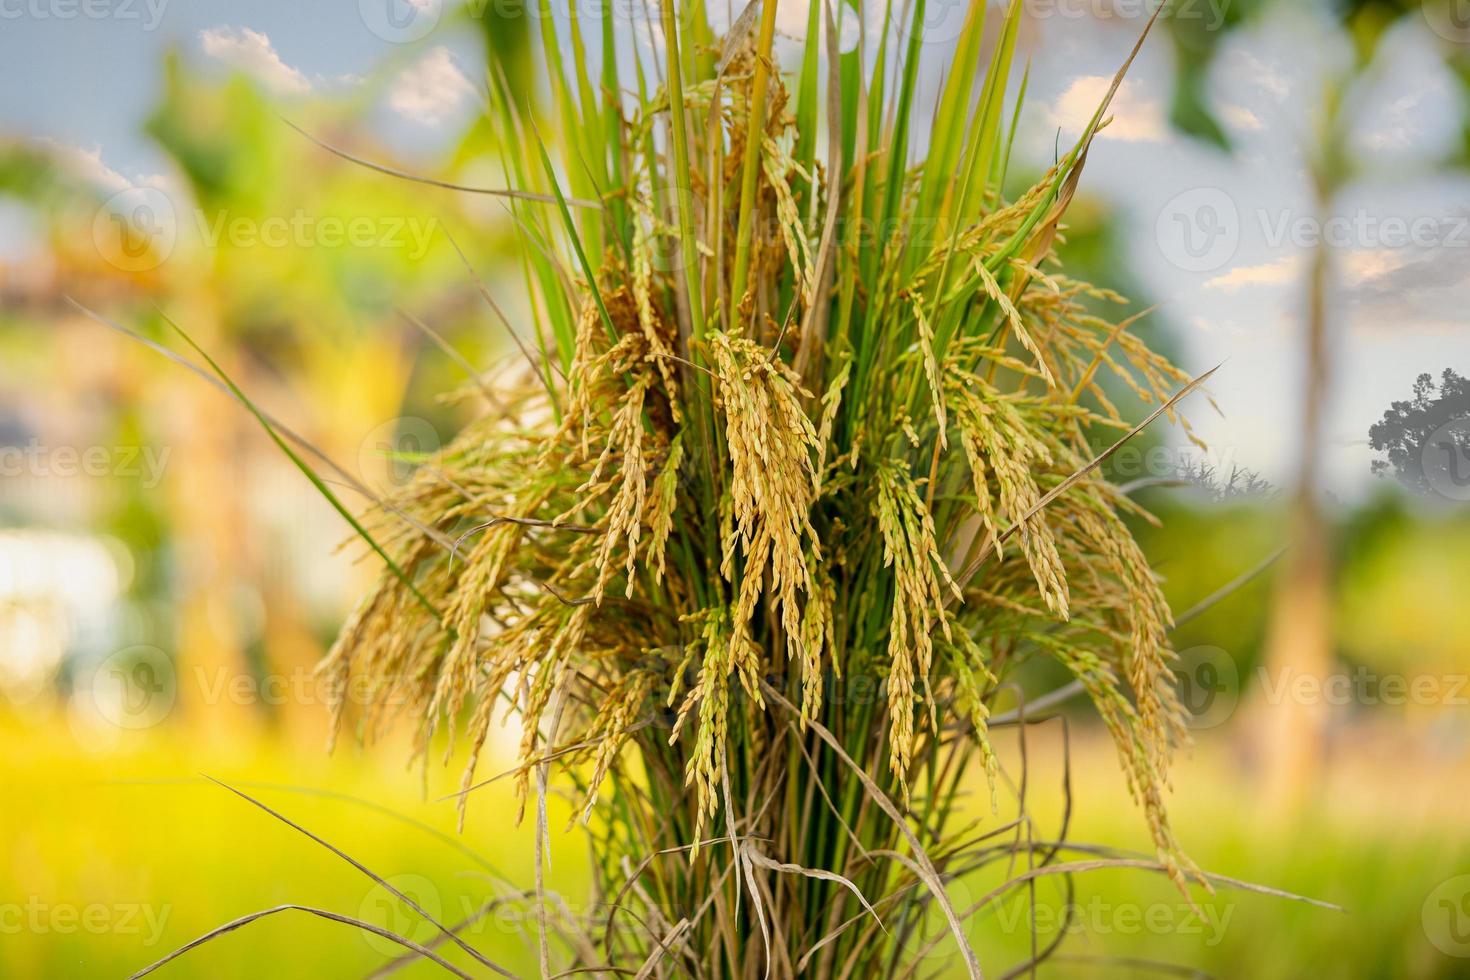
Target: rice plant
{"points": [[799, 465]]}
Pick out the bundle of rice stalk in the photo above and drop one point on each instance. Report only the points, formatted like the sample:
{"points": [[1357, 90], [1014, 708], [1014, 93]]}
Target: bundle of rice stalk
{"points": [[798, 469]]}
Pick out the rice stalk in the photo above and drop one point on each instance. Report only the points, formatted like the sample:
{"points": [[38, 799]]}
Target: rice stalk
{"points": [[742, 566]]}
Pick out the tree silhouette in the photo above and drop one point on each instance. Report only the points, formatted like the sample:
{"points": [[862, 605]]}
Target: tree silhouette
{"points": [[1431, 430]]}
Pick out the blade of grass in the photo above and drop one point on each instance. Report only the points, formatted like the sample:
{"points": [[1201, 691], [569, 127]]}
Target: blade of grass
{"points": [[683, 193], [385, 884], [307, 471], [926, 869], [570, 226], [245, 920], [575, 202], [755, 136]]}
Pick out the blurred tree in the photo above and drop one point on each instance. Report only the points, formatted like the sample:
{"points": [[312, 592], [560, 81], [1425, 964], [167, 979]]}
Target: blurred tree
{"points": [[1434, 423], [291, 266], [1299, 636]]}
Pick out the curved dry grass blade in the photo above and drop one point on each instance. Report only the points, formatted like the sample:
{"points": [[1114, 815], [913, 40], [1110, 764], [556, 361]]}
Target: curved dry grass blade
{"points": [[485, 294], [739, 32], [687, 925], [746, 871], [1051, 699], [1069, 886], [674, 934], [795, 869], [434, 182], [549, 757], [410, 957], [1028, 966], [447, 839], [584, 601], [459, 359], [647, 927], [245, 920], [1229, 588], [1077, 867], [900, 891], [617, 902], [888, 899], [521, 522], [479, 957], [926, 867]]}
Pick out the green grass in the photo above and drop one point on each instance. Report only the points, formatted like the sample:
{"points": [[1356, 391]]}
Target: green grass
{"points": [[141, 833], [139, 827]]}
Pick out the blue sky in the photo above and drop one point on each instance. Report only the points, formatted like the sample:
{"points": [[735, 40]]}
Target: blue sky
{"points": [[1219, 240], [89, 80]]}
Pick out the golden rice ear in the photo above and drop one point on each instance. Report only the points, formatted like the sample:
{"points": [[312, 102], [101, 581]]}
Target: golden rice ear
{"points": [[974, 682], [711, 695], [662, 504], [920, 580], [818, 635], [999, 441], [773, 482]]}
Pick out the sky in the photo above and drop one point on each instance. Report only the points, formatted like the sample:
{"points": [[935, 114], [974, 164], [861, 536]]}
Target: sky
{"points": [[1220, 241]]}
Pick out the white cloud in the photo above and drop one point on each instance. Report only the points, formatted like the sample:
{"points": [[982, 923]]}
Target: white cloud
{"points": [[1240, 118], [1399, 123], [1366, 265], [1268, 78], [252, 52], [791, 18], [1135, 117], [431, 89], [148, 205], [89, 166], [1269, 274]]}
